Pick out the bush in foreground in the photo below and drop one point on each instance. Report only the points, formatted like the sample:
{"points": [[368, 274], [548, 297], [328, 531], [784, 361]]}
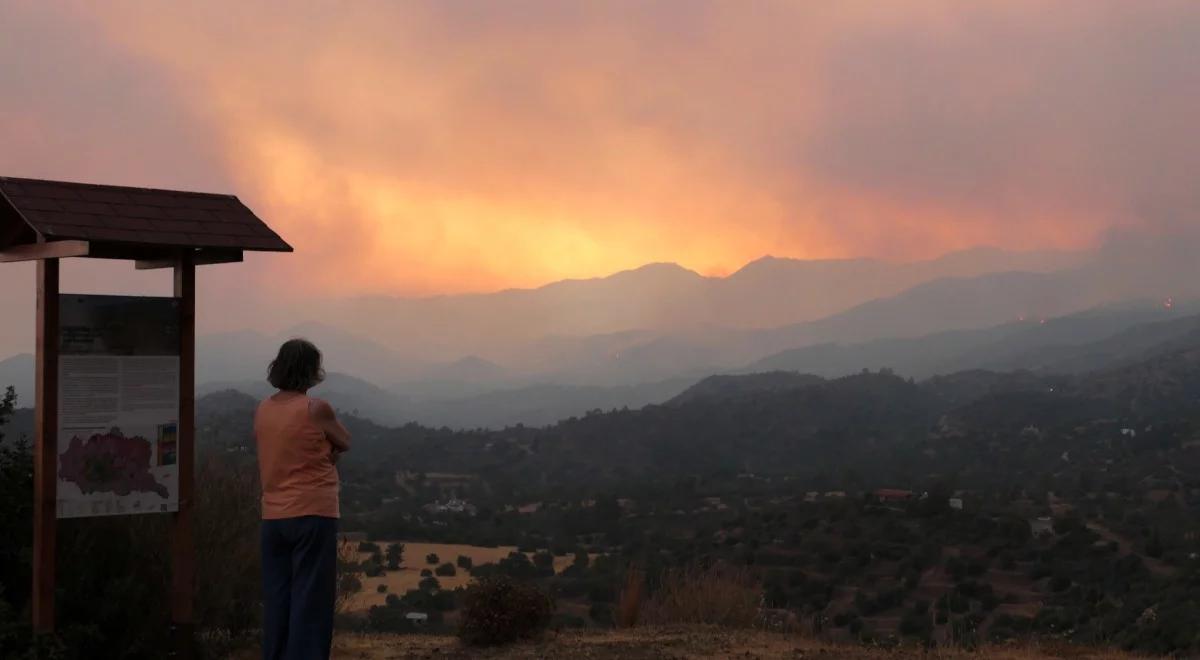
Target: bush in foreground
{"points": [[719, 595], [497, 610]]}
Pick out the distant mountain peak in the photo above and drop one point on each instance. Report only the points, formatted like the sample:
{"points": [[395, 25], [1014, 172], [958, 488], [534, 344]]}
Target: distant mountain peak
{"points": [[769, 263], [659, 269], [655, 274]]}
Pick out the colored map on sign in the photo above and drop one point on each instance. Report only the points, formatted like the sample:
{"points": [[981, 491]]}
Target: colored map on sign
{"points": [[109, 463]]}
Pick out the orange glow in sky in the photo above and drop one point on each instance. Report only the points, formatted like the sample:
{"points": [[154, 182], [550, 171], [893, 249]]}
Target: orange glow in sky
{"points": [[423, 148]]}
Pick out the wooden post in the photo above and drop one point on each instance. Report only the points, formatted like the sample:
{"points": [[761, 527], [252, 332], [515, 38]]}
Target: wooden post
{"points": [[183, 566], [45, 448]]}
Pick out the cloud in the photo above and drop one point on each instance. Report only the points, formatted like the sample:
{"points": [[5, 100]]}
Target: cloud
{"points": [[1061, 119], [449, 146]]}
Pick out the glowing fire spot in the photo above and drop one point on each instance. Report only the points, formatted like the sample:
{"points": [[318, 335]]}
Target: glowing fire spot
{"points": [[1169, 303]]}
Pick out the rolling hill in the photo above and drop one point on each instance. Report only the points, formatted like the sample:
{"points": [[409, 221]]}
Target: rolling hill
{"points": [[1075, 342]]}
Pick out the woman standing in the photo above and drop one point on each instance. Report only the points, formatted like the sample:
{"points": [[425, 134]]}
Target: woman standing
{"points": [[299, 439]]}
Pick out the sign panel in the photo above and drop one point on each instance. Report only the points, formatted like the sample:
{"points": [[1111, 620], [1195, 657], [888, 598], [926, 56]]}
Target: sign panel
{"points": [[118, 405]]}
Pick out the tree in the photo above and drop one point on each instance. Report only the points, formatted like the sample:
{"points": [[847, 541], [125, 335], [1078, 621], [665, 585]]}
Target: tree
{"points": [[395, 555], [16, 510], [432, 559], [608, 511], [1154, 547], [349, 584], [464, 562], [601, 613], [367, 546], [446, 570], [429, 584], [544, 561], [373, 569], [7, 403]]}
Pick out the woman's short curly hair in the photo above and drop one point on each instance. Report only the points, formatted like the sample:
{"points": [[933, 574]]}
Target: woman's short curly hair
{"points": [[297, 367]]}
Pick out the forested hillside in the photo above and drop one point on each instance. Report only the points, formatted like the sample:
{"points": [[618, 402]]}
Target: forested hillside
{"points": [[974, 506]]}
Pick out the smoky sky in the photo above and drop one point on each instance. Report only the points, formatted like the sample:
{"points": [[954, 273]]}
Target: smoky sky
{"points": [[432, 147]]}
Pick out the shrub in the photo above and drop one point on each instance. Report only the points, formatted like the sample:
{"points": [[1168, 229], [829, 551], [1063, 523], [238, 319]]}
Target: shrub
{"points": [[425, 572], [497, 610], [601, 613], [629, 602], [367, 546], [564, 621], [989, 601], [429, 584], [854, 624], [381, 589], [544, 561], [1059, 583], [913, 624], [373, 569], [464, 562], [430, 601], [432, 559], [228, 585], [517, 565], [395, 556], [348, 585], [718, 595], [446, 570]]}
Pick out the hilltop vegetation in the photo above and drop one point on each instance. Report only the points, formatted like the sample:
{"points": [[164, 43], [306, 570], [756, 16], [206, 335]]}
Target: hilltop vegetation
{"points": [[1039, 505], [973, 508]]}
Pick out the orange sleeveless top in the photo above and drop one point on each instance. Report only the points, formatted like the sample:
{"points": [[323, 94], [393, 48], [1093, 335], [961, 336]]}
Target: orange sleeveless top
{"points": [[298, 475]]}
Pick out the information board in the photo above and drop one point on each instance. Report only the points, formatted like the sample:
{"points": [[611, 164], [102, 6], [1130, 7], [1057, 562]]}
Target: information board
{"points": [[118, 410]]}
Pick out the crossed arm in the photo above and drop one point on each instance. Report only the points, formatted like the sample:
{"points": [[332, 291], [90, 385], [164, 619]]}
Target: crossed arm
{"points": [[327, 421]]}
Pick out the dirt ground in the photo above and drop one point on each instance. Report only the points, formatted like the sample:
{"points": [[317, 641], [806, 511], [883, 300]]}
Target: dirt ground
{"points": [[674, 644]]}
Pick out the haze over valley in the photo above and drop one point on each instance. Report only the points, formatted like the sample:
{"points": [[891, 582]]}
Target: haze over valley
{"points": [[535, 356]]}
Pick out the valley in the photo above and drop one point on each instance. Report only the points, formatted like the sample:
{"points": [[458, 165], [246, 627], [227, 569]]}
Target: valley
{"points": [[966, 508]]}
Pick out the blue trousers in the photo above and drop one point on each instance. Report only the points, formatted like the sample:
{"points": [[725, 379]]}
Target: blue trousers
{"points": [[299, 570]]}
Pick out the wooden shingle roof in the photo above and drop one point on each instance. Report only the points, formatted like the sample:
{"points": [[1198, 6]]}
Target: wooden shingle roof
{"points": [[147, 221]]}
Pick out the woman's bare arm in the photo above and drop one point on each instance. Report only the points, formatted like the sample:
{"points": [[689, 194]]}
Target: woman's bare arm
{"points": [[328, 422]]}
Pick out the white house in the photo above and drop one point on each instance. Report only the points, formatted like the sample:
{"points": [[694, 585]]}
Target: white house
{"points": [[417, 618]]}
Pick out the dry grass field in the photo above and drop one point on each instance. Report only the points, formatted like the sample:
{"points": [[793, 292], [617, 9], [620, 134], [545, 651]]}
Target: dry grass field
{"points": [[409, 575], [678, 643]]}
